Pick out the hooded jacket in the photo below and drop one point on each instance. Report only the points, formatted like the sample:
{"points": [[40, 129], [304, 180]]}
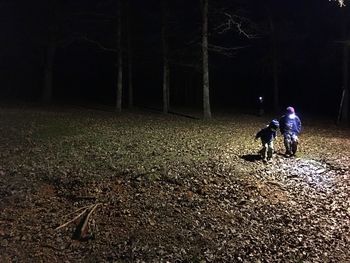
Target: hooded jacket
{"points": [[290, 123], [267, 135]]}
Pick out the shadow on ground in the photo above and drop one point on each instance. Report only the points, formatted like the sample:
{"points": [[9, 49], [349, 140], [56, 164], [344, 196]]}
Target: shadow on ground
{"points": [[251, 157]]}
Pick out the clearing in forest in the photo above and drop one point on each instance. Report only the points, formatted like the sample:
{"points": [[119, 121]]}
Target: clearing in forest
{"points": [[154, 188]]}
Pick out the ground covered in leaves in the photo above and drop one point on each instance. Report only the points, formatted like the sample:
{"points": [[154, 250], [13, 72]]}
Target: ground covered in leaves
{"points": [[168, 189]]}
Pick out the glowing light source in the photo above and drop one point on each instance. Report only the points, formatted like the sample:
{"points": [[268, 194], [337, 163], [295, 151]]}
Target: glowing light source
{"points": [[291, 116]]}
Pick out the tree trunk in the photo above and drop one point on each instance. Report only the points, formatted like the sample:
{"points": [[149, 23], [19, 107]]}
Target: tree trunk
{"points": [[48, 74], [274, 65], [206, 99], [344, 117], [345, 107], [130, 82], [276, 103], [165, 60], [120, 62]]}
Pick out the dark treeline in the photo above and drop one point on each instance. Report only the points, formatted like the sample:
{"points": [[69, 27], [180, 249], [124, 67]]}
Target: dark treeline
{"points": [[290, 52]]}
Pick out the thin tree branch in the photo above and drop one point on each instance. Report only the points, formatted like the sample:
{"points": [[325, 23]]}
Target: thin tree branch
{"points": [[341, 3], [70, 41], [74, 219], [224, 49], [83, 229], [234, 22], [98, 44]]}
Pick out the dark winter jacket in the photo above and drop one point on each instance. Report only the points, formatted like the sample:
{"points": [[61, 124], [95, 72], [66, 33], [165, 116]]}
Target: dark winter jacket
{"points": [[267, 135], [290, 124]]}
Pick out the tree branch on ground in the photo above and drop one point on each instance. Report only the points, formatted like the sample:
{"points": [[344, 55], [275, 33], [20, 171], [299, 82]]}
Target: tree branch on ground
{"points": [[75, 218], [83, 231]]}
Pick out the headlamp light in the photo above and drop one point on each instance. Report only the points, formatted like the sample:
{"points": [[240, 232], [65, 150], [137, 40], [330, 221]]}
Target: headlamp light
{"points": [[291, 116]]}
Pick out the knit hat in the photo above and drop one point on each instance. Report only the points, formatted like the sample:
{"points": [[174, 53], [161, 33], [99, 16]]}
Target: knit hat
{"points": [[274, 124], [290, 110]]}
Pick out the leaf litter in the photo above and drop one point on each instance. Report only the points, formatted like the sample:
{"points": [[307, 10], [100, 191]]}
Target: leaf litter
{"points": [[168, 189]]}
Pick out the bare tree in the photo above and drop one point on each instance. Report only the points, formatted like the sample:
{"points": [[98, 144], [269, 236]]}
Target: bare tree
{"points": [[47, 91], [130, 55], [227, 19], [341, 2], [344, 107], [274, 63], [166, 69], [64, 27], [345, 94], [205, 62], [50, 51], [119, 61]]}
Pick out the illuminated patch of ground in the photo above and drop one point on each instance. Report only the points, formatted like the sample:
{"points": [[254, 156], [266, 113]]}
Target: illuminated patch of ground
{"points": [[310, 173]]}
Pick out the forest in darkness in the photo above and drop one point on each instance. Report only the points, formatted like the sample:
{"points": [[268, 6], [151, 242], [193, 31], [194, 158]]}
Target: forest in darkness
{"points": [[254, 49]]}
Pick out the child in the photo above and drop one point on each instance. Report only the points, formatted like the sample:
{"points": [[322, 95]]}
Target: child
{"points": [[290, 129], [267, 136]]}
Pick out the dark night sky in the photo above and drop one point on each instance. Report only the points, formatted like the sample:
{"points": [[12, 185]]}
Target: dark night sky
{"points": [[310, 60]]}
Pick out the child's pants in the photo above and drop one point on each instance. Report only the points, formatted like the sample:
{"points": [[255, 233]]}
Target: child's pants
{"points": [[267, 150], [290, 142]]}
